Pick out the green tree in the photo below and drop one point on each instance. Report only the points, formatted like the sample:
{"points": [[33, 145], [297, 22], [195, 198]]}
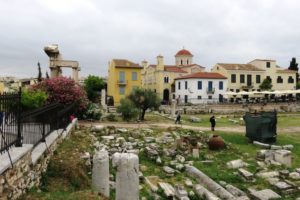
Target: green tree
{"points": [[266, 84], [294, 66], [144, 99], [127, 109], [298, 86], [93, 86]]}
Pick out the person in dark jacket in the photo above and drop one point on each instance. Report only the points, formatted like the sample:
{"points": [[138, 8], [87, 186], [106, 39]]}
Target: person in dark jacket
{"points": [[177, 121], [212, 123]]}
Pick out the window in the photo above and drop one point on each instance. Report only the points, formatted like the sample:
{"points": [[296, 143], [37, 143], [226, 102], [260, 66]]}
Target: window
{"points": [[209, 97], [122, 90], [134, 76], [257, 78], [237, 90], [199, 97], [233, 78], [185, 85], [121, 77], [279, 79], [179, 85], [290, 80], [231, 90], [166, 79], [199, 85], [269, 78], [187, 62], [181, 62], [268, 64], [220, 85], [242, 78]]}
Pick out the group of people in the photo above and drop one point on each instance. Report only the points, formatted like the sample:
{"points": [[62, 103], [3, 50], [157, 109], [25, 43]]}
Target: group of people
{"points": [[212, 121]]}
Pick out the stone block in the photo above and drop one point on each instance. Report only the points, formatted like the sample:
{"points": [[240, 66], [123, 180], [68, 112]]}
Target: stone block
{"points": [[284, 157]]}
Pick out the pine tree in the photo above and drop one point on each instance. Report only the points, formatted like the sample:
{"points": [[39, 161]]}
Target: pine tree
{"points": [[47, 75], [294, 66], [40, 72]]}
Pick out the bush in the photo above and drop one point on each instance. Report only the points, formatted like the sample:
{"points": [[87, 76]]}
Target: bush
{"points": [[111, 117], [127, 109], [63, 90], [92, 112], [31, 99]]}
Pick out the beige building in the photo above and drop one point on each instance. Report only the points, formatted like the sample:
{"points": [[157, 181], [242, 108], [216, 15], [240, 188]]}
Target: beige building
{"points": [[248, 77], [161, 78]]}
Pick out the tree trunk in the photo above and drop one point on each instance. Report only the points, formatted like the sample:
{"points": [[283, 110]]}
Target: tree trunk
{"points": [[143, 115]]}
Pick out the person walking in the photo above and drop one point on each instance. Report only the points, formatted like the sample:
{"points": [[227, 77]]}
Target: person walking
{"points": [[177, 121], [212, 123]]}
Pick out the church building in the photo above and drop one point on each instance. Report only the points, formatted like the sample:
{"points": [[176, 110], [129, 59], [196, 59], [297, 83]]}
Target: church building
{"points": [[160, 77]]}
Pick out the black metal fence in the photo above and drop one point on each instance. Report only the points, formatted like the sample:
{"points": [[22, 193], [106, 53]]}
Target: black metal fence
{"points": [[30, 127], [9, 120]]}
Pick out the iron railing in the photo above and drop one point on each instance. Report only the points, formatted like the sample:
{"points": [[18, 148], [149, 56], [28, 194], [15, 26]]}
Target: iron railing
{"points": [[30, 127], [10, 135]]}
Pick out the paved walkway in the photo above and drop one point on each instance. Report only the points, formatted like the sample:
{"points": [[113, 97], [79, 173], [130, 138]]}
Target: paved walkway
{"points": [[237, 129]]}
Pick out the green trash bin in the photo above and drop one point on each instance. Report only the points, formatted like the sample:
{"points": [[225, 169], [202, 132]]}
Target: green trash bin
{"points": [[261, 126]]}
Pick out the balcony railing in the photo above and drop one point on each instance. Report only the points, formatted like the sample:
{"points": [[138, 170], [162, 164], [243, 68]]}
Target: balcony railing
{"points": [[122, 82], [247, 85], [210, 90]]}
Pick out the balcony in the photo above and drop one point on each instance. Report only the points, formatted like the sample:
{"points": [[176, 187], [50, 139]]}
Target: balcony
{"points": [[210, 90], [122, 82], [247, 86]]}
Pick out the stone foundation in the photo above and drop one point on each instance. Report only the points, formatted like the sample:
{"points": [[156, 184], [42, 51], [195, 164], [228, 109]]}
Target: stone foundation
{"points": [[28, 164]]}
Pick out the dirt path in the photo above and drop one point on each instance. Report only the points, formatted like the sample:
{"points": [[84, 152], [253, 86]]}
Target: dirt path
{"points": [[237, 129]]}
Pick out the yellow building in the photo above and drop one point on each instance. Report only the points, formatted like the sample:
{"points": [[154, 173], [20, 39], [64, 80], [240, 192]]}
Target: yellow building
{"points": [[160, 78], [248, 77], [123, 77], [1, 87]]}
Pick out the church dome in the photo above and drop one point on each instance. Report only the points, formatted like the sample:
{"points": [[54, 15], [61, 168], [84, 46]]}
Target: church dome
{"points": [[183, 52]]}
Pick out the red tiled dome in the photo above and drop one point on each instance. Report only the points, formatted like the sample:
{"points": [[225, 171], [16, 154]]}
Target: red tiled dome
{"points": [[183, 52]]}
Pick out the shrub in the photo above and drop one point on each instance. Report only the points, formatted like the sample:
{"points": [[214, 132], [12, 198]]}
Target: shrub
{"points": [[31, 99], [127, 109], [63, 90], [111, 117], [92, 112]]}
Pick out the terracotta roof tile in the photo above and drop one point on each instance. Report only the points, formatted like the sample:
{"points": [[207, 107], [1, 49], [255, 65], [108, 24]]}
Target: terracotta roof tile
{"points": [[244, 67], [183, 52], [125, 63], [171, 68], [203, 75], [190, 65]]}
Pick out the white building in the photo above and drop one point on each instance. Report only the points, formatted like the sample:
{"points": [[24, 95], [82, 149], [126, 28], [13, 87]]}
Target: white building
{"points": [[201, 87]]}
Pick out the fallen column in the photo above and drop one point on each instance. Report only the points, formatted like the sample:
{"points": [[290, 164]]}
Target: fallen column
{"points": [[100, 173], [211, 185], [127, 176], [203, 193]]}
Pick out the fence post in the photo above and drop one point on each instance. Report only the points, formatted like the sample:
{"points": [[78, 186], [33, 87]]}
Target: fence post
{"points": [[43, 133], [19, 137]]}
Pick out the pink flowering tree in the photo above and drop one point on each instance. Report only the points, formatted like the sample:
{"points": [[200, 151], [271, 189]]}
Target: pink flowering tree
{"points": [[63, 90]]}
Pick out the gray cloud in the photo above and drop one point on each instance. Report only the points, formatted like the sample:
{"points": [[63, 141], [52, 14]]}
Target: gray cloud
{"points": [[93, 32]]}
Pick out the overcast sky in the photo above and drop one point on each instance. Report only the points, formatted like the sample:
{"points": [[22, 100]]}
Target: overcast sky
{"points": [[95, 31]]}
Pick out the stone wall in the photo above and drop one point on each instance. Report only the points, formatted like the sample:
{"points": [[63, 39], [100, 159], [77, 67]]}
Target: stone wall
{"points": [[232, 108], [28, 164]]}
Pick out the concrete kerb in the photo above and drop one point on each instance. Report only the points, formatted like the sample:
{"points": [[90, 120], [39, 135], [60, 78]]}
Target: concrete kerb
{"points": [[17, 153]]}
